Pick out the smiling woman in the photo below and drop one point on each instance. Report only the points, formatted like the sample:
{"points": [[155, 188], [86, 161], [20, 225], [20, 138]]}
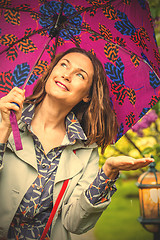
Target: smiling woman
{"points": [[88, 98], [73, 75], [61, 124]]}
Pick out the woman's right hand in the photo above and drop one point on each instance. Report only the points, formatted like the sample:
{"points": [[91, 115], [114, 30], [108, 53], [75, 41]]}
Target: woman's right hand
{"points": [[16, 95]]}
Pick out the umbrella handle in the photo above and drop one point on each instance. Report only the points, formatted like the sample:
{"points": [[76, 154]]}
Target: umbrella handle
{"points": [[15, 130]]}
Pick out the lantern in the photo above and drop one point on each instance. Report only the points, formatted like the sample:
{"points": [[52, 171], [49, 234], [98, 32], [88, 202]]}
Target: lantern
{"points": [[149, 197]]}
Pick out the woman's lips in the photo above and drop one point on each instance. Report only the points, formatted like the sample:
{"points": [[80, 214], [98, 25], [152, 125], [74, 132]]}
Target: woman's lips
{"points": [[61, 85]]}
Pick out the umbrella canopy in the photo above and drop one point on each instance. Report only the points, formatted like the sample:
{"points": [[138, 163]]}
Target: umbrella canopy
{"points": [[119, 32]]}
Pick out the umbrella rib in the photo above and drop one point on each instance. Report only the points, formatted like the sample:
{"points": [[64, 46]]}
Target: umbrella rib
{"points": [[56, 45], [72, 38], [123, 48], [26, 81], [106, 39], [60, 14], [52, 33]]}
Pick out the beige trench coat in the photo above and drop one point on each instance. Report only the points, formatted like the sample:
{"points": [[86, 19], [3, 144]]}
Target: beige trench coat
{"points": [[19, 170]]}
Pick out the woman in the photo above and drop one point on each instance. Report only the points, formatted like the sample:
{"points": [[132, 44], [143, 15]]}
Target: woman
{"points": [[62, 124]]}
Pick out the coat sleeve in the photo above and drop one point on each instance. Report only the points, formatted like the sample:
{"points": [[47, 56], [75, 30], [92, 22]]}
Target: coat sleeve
{"points": [[79, 214]]}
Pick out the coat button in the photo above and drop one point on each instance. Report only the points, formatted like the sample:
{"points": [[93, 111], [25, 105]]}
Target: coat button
{"points": [[43, 165]]}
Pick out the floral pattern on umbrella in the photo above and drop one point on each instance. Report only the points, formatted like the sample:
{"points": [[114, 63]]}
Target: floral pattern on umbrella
{"points": [[119, 32]]}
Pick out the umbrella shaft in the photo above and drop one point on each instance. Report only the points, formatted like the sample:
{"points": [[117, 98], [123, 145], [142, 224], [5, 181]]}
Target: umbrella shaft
{"points": [[26, 81]]}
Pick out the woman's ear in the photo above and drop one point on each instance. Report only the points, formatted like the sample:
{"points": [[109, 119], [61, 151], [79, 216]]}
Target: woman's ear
{"points": [[86, 99]]}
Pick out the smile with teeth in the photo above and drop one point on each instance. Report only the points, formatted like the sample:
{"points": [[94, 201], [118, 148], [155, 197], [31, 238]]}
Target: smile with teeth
{"points": [[61, 85]]}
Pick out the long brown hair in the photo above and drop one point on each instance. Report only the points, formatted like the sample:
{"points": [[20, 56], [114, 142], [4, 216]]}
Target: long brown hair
{"points": [[96, 116]]}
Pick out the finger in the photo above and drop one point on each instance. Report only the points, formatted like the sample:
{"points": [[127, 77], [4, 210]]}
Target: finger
{"points": [[149, 159], [15, 92], [144, 161], [8, 107], [132, 165], [16, 104], [20, 94], [18, 90], [13, 96], [18, 101], [17, 98], [138, 164]]}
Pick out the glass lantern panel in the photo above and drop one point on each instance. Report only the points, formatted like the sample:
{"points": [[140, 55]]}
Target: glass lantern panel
{"points": [[151, 203]]}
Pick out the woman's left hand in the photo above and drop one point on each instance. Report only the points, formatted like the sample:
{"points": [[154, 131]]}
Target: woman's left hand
{"points": [[113, 165]]}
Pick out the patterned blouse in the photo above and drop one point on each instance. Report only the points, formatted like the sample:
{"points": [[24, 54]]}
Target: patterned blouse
{"points": [[35, 208]]}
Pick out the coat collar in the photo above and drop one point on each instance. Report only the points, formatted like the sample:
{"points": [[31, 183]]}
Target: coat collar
{"points": [[73, 128], [70, 163]]}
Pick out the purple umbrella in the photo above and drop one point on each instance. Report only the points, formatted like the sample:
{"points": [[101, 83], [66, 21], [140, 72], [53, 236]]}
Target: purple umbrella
{"points": [[119, 32]]}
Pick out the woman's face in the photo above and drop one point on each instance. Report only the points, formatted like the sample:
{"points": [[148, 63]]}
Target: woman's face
{"points": [[71, 79]]}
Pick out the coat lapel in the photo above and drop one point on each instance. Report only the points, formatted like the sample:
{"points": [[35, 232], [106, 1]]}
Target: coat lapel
{"points": [[69, 165]]}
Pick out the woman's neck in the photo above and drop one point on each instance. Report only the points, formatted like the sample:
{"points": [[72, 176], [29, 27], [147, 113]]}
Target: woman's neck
{"points": [[50, 115], [48, 124]]}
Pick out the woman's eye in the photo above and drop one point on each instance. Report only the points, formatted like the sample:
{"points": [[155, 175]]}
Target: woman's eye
{"points": [[63, 65], [80, 75]]}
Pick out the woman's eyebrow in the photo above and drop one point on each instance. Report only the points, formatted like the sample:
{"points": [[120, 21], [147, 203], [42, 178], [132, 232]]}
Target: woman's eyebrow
{"points": [[78, 68], [83, 71]]}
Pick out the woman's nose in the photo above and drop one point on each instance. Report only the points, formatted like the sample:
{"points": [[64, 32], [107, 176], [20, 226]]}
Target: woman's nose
{"points": [[67, 76]]}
